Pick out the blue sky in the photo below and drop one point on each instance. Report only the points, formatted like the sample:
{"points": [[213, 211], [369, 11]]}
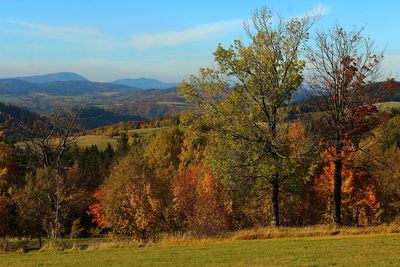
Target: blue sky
{"points": [[169, 40]]}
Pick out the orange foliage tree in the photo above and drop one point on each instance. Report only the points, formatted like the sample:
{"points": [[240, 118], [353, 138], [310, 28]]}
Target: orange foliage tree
{"points": [[199, 203], [359, 201]]}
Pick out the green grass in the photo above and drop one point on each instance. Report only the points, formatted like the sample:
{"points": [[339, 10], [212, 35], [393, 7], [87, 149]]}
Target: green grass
{"points": [[145, 131], [360, 250], [388, 105], [99, 140]]}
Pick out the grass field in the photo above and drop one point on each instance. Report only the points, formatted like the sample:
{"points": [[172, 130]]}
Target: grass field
{"points": [[360, 250], [99, 140], [145, 131], [388, 105]]}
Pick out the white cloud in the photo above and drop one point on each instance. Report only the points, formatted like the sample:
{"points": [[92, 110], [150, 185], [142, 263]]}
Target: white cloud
{"points": [[315, 12], [319, 11], [92, 38], [86, 36], [173, 38], [56, 32]]}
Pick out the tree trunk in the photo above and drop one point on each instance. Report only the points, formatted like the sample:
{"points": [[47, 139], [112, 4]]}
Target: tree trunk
{"points": [[275, 201], [337, 190]]}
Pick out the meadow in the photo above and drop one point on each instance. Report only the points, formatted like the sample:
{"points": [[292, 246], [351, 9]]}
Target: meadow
{"points": [[341, 250]]}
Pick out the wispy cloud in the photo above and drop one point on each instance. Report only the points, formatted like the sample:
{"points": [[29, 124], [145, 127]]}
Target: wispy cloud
{"points": [[93, 38], [316, 11], [65, 33], [172, 38], [87, 36]]}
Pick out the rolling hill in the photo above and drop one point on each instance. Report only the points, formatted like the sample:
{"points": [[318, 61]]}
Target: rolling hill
{"points": [[20, 87], [92, 117], [52, 77], [145, 83]]}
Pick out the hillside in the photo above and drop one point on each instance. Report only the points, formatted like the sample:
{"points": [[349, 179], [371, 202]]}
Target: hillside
{"points": [[92, 117], [145, 83], [18, 87], [121, 99], [45, 97], [52, 77]]}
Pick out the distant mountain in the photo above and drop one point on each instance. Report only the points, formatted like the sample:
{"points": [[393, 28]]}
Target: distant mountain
{"points": [[145, 83], [16, 87], [52, 77], [19, 87], [300, 94]]}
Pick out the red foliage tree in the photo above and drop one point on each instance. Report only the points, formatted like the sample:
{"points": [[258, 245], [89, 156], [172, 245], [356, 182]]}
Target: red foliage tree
{"points": [[343, 64], [96, 210]]}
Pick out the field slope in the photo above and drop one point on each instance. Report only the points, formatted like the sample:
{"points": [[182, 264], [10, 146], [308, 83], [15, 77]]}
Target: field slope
{"points": [[362, 250]]}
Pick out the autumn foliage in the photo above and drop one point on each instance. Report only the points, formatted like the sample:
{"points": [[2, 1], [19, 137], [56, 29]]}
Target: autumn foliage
{"points": [[96, 210], [241, 157], [359, 201]]}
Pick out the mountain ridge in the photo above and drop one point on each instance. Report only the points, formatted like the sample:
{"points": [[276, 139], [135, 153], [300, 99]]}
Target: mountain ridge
{"points": [[21, 87], [51, 77], [145, 83]]}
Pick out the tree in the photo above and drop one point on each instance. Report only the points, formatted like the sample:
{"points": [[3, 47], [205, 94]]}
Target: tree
{"points": [[162, 151], [359, 197], [342, 64], [10, 179], [49, 138], [246, 98], [384, 166], [161, 155], [35, 203], [123, 142], [211, 210], [96, 210], [129, 201]]}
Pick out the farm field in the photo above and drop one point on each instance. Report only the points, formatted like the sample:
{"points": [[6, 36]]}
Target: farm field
{"points": [[101, 141], [360, 250], [388, 105]]}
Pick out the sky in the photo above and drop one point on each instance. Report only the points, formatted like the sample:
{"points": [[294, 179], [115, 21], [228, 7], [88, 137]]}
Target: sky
{"points": [[169, 40]]}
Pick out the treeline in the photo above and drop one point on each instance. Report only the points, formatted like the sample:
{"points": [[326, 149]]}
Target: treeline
{"points": [[176, 182], [117, 128], [179, 182], [37, 201]]}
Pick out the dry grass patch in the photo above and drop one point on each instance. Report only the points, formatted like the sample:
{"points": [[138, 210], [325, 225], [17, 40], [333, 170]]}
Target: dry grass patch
{"points": [[319, 230]]}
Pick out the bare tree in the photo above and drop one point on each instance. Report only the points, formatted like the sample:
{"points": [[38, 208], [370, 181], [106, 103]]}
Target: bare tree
{"points": [[49, 138], [342, 64]]}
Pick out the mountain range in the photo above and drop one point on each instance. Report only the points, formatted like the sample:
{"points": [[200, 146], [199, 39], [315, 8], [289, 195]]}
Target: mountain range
{"points": [[52, 77], [18, 87], [138, 83], [145, 83]]}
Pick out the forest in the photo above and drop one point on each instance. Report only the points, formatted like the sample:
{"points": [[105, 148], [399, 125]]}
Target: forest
{"points": [[242, 155]]}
